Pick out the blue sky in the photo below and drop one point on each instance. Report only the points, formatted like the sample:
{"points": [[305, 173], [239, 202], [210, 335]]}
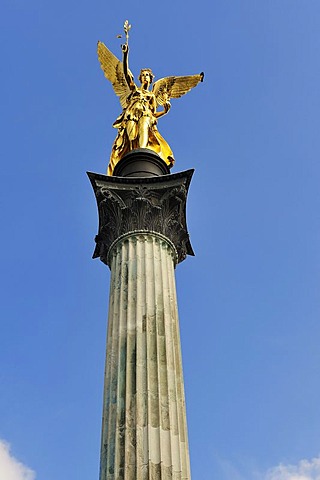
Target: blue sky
{"points": [[249, 301]]}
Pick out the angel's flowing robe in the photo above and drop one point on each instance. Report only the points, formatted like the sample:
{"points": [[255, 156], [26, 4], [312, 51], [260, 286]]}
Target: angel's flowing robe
{"points": [[141, 107]]}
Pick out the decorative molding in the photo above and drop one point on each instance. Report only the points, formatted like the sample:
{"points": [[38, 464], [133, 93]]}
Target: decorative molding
{"points": [[147, 204], [139, 234]]}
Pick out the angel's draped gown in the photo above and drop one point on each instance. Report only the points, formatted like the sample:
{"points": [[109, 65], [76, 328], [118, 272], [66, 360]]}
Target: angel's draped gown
{"points": [[140, 103]]}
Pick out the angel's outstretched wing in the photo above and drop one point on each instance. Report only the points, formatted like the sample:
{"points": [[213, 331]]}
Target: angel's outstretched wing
{"points": [[174, 87], [113, 71]]}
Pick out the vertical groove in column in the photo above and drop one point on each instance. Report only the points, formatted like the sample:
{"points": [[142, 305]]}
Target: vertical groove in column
{"points": [[139, 364], [124, 354], [110, 438], [125, 368], [170, 367], [118, 354], [177, 377], [141, 373], [144, 434], [153, 405], [107, 393], [157, 426], [130, 403], [165, 425], [179, 381]]}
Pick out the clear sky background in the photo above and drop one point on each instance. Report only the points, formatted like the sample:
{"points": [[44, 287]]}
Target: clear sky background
{"points": [[249, 301]]}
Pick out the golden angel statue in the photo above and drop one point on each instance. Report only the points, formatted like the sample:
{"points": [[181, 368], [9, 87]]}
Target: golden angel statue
{"points": [[137, 124]]}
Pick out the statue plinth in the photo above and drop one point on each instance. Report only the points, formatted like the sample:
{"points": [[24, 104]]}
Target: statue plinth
{"points": [[141, 162], [142, 236]]}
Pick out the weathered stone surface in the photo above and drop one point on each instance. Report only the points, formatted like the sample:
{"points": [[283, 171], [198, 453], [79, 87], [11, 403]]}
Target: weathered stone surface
{"points": [[144, 433]]}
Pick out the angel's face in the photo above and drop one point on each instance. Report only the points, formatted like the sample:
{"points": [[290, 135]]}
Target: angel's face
{"points": [[146, 77]]}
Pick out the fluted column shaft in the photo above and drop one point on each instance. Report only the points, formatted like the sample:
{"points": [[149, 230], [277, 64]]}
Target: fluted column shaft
{"points": [[144, 433]]}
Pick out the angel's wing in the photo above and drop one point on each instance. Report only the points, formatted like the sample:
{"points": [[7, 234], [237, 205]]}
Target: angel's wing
{"points": [[174, 87], [113, 71]]}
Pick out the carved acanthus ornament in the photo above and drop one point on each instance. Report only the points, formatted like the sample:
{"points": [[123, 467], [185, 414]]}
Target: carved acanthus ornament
{"points": [[154, 204]]}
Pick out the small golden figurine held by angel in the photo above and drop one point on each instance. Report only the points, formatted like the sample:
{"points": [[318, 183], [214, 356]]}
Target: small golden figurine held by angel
{"points": [[137, 124]]}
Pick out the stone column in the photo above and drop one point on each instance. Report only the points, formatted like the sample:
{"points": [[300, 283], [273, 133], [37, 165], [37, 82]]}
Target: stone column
{"points": [[142, 236]]}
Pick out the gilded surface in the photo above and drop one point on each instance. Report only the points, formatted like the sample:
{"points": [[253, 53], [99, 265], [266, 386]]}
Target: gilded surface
{"points": [[137, 124]]}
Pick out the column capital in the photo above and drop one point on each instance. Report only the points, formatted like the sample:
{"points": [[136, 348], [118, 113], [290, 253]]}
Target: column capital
{"points": [[150, 204]]}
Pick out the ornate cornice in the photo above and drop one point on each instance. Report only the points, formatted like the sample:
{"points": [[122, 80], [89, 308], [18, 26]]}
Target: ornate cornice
{"points": [[148, 204]]}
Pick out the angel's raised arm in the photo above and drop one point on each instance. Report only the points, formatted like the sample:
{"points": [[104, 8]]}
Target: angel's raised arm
{"points": [[125, 63]]}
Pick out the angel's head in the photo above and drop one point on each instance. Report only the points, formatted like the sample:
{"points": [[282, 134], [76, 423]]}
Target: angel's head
{"points": [[146, 76]]}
